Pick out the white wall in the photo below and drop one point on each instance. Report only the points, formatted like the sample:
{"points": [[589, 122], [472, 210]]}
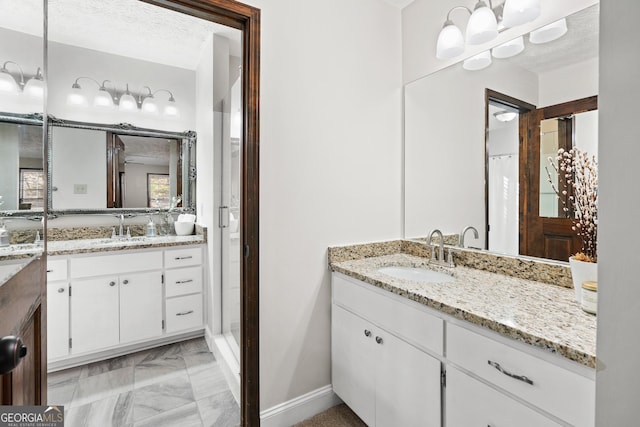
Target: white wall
{"points": [[445, 143], [66, 63], [422, 21], [618, 376], [569, 83], [78, 157], [26, 51], [9, 163], [330, 169]]}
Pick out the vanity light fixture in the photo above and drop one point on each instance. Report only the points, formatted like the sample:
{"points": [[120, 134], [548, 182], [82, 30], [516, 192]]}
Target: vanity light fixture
{"points": [[33, 87], [505, 116], [484, 24], [477, 62], [108, 98], [549, 33], [508, 49]]}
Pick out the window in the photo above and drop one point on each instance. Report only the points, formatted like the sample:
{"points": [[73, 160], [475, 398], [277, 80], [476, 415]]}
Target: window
{"points": [[158, 191], [31, 189]]}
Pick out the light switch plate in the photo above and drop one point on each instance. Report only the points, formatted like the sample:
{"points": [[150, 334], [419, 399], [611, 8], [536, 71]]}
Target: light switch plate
{"points": [[79, 188]]}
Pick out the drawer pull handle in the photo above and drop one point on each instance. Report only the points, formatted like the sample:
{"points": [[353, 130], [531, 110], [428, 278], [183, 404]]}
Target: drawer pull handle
{"points": [[509, 374], [379, 340], [184, 313], [178, 258], [60, 290], [181, 282], [367, 333]]}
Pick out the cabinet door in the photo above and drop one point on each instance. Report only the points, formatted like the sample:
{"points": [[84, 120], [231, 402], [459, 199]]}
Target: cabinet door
{"points": [[57, 319], [94, 314], [407, 384], [353, 362], [140, 306], [472, 403]]}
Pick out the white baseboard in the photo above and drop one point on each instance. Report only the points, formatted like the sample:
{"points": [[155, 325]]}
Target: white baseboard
{"points": [[299, 409], [230, 366]]}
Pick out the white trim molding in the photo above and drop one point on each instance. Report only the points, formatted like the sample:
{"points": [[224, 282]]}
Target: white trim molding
{"points": [[300, 408]]}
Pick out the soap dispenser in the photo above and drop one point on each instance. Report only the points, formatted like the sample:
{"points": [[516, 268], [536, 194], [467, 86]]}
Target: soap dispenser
{"points": [[151, 228], [5, 238]]}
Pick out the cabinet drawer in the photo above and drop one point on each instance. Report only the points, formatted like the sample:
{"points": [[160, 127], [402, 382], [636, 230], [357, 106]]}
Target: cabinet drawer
{"points": [[115, 264], [56, 269], [563, 393], [184, 312], [414, 325], [472, 403], [182, 257], [183, 281]]}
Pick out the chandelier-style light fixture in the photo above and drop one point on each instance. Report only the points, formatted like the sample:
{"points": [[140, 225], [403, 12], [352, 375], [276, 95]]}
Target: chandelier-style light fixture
{"points": [[33, 87], [108, 98]]}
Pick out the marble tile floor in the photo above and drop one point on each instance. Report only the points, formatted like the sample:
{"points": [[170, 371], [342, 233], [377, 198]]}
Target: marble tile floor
{"points": [[174, 385]]}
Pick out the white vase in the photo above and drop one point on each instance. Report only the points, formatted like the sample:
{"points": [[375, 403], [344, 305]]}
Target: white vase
{"points": [[582, 272]]}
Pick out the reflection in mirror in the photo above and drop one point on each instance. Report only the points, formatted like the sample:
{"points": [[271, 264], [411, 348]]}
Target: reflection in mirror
{"points": [[96, 167], [21, 137], [454, 137]]}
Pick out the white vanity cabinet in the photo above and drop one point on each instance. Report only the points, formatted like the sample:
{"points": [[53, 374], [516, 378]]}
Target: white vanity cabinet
{"points": [[117, 308], [57, 309], [109, 303], [380, 362], [518, 372]]}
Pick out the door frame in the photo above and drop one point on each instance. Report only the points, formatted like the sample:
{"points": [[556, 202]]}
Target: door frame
{"points": [[247, 19]]}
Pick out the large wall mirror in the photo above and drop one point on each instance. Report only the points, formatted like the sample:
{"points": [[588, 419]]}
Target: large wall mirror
{"points": [[466, 144], [95, 168]]}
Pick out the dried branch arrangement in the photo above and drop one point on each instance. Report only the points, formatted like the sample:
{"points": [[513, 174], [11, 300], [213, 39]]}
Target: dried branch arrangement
{"points": [[579, 173]]}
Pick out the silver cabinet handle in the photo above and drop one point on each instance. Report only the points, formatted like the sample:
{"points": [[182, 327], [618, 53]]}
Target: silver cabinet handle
{"points": [[509, 374], [184, 313], [183, 257], [112, 283], [181, 282], [367, 333], [125, 281], [60, 290], [379, 340]]}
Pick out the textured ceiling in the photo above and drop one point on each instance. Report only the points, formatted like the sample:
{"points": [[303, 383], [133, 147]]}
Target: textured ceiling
{"points": [[122, 27], [400, 3], [579, 44]]}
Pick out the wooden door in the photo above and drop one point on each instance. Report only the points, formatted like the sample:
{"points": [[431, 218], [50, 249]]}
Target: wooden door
{"points": [[23, 307], [546, 232]]}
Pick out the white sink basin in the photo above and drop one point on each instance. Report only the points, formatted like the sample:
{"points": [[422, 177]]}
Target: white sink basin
{"points": [[416, 274]]}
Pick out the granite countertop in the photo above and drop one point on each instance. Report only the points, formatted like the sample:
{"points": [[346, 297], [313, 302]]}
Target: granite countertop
{"points": [[535, 313], [23, 251], [81, 246]]}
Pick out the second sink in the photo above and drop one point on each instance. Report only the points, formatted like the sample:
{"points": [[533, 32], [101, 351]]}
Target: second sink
{"points": [[416, 274]]}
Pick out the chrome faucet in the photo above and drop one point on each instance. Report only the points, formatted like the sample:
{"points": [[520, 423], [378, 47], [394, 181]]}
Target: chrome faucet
{"points": [[464, 231], [121, 231], [121, 234], [439, 259]]}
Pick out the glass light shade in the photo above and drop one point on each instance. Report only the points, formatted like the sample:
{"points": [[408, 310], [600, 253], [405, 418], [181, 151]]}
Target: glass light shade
{"points": [[482, 26], [34, 88], [477, 62], [127, 103], [103, 99], [450, 42], [508, 49], [150, 106], [7, 82], [518, 12], [549, 33], [77, 98], [171, 110], [505, 116]]}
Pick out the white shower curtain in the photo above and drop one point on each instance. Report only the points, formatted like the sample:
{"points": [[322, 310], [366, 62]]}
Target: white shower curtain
{"points": [[503, 205]]}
